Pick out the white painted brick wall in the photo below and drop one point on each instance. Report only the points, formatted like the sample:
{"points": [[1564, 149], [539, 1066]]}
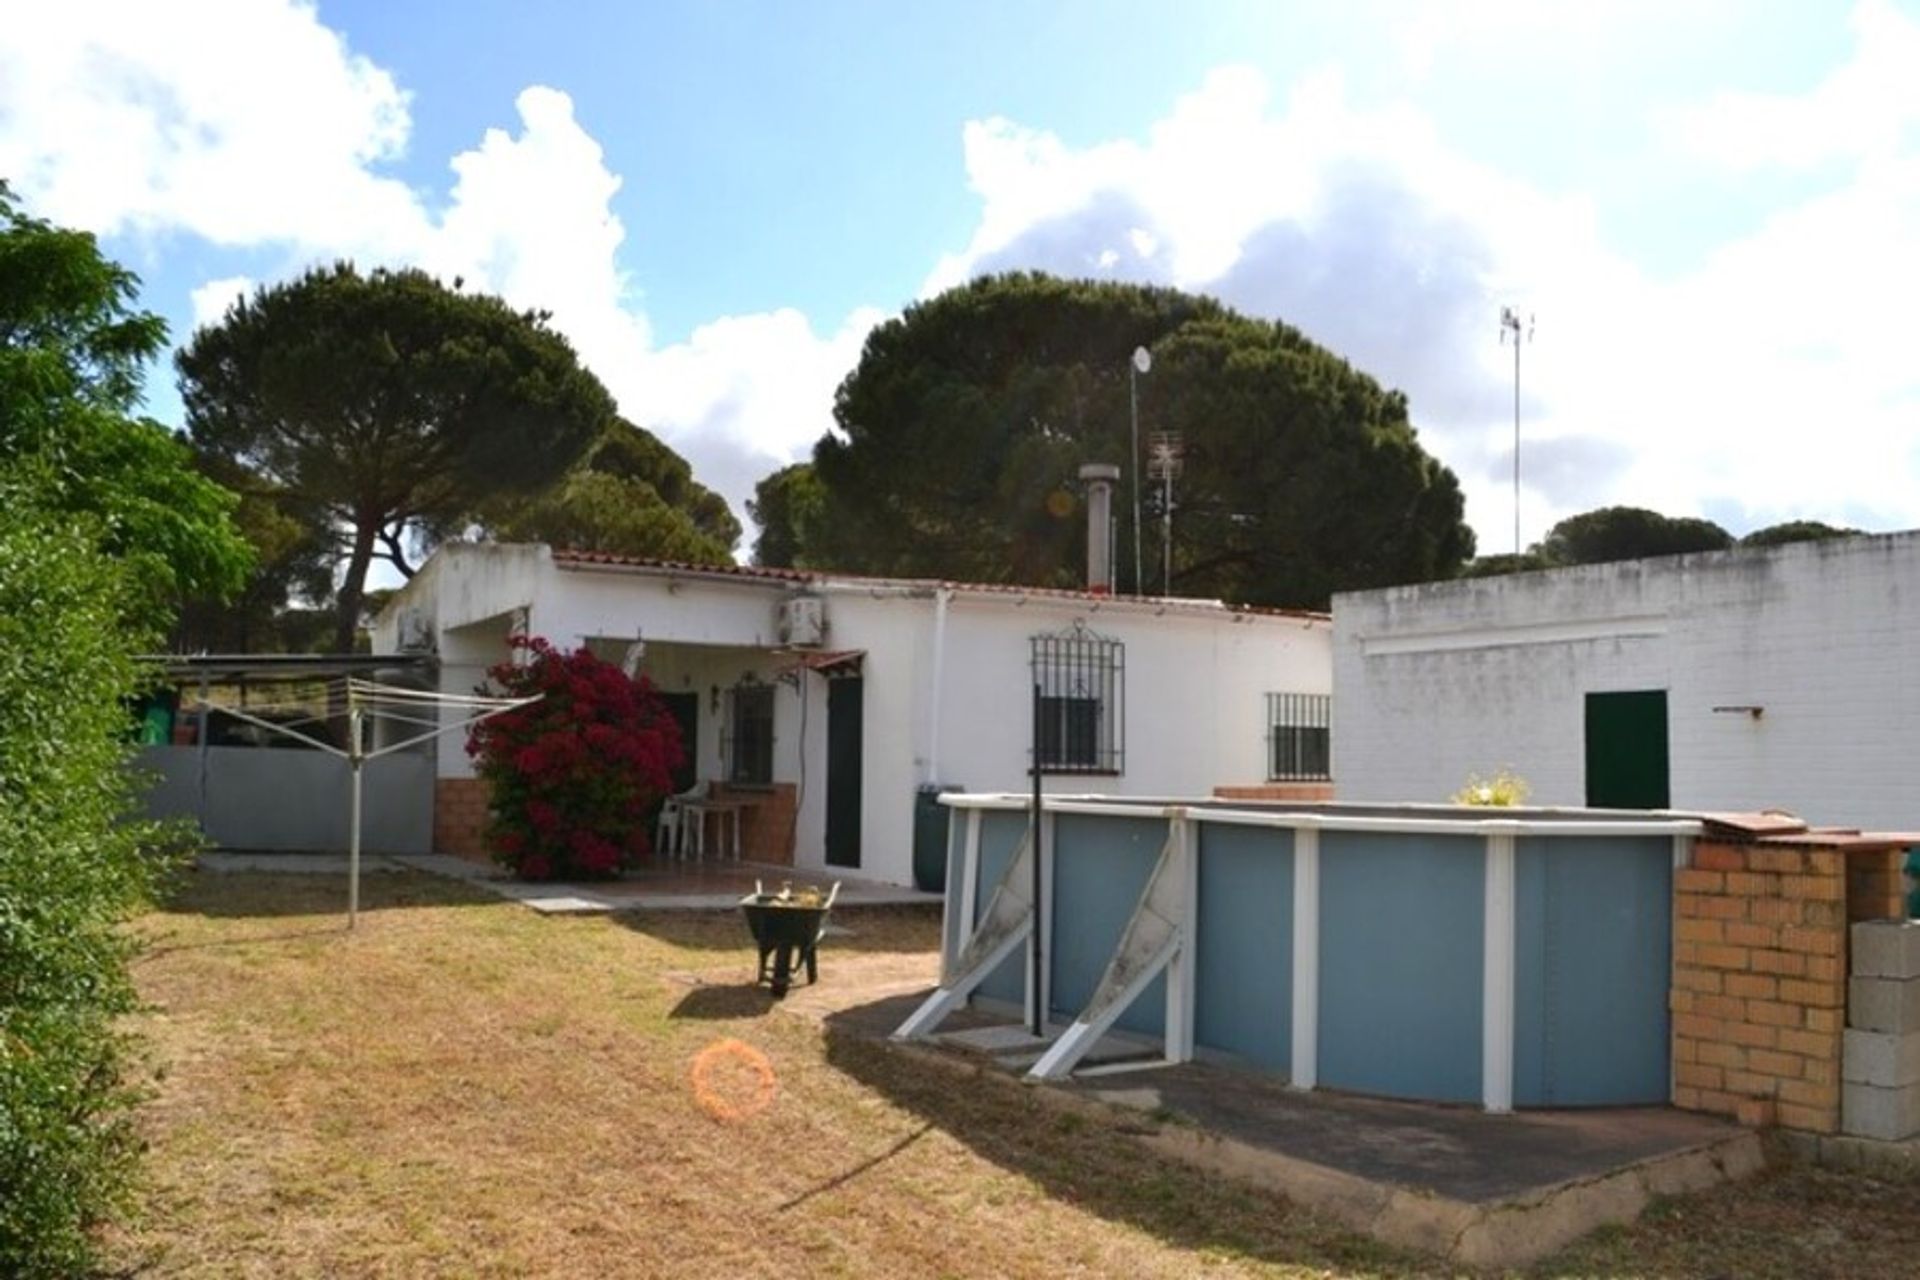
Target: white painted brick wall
{"points": [[1434, 682]]}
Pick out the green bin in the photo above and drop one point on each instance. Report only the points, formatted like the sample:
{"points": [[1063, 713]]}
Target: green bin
{"points": [[930, 824]]}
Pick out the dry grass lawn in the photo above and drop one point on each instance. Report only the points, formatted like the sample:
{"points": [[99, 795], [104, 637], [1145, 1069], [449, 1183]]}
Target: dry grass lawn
{"points": [[465, 1088]]}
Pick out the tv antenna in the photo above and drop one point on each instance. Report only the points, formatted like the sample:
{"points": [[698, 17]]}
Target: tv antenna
{"points": [[1165, 449], [1511, 323]]}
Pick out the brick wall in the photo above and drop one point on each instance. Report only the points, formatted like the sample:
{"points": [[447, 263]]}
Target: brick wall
{"points": [[766, 828], [1760, 974], [1284, 791], [460, 817], [1876, 886]]}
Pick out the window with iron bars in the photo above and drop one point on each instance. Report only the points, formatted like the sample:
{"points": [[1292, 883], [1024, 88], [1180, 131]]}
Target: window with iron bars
{"points": [[1299, 737], [749, 739], [1079, 690]]}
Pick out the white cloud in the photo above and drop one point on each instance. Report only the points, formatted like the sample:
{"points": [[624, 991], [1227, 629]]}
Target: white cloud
{"points": [[1869, 107], [252, 125], [1772, 380], [241, 122], [211, 300]]}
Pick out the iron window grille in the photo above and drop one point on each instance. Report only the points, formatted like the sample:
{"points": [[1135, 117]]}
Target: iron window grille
{"points": [[1299, 737], [750, 735], [1079, 691]]}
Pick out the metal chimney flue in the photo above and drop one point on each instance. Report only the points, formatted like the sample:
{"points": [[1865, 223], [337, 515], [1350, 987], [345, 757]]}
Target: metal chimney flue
{"points": [[1100, 477]]}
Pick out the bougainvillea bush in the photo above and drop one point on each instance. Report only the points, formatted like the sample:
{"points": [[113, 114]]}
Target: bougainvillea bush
{"points": [[574, 776]]}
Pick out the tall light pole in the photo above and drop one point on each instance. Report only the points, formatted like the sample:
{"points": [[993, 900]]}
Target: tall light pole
{"points": [[1142, 362], [1510, 323]]}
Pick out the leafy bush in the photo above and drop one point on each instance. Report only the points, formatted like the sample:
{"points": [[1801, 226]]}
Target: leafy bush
{"points": [[70, 870], [575, 775], [1503, 790], [102, 524]]}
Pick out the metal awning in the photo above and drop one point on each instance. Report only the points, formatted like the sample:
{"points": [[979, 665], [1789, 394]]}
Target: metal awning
{"points": [[228, 668], [829, 662]]}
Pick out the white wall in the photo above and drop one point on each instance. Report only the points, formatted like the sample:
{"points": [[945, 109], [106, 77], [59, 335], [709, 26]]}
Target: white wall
{"points": [[1195, 693], [1434, 682]]}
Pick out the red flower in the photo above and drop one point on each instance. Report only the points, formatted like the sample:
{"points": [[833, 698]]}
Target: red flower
{"points": [[576, 775]]}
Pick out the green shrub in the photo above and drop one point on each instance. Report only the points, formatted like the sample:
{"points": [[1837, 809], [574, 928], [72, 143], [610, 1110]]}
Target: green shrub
{"points": [[1503, 790], [70, 871]]}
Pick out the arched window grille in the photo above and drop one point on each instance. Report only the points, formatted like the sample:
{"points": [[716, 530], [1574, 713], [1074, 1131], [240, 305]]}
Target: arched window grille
{"points": [[1079, 691]]}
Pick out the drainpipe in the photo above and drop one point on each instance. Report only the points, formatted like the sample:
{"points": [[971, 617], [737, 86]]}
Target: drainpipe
{"points": [[940, 599]]}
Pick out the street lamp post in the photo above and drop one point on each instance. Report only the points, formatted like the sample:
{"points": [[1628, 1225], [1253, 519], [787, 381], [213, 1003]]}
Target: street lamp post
{"points": [[1510, 323], [1142, 362]]}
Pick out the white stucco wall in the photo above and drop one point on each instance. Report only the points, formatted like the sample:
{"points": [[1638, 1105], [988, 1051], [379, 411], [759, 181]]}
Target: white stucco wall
{"points": [[1196, 679], [1434, 682]]}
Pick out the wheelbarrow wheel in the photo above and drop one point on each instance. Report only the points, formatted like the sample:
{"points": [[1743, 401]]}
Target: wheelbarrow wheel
{"points": [[782, 969]]}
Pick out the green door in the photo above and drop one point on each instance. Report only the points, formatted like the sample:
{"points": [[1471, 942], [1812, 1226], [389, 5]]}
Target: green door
{"points": [[685, 708], [845, 700], [1627, 750]]}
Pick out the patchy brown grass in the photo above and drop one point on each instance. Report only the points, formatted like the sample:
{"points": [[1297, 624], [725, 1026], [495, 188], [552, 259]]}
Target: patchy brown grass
{"points": [[465, 1088]]}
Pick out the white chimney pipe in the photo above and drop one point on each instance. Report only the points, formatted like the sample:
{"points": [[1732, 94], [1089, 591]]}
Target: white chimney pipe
{"points": [[1100, 477]]}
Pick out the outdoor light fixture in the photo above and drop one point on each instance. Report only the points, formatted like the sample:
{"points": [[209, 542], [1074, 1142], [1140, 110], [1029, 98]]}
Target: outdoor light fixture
{"points": [[1747, 709]]}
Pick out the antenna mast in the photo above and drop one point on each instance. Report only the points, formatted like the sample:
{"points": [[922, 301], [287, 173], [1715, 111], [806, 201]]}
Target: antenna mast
{"points": [[1510, 323], [1165, 450]]}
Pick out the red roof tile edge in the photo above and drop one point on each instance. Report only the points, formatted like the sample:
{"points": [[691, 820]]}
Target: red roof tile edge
{"points": [[759, 573]]}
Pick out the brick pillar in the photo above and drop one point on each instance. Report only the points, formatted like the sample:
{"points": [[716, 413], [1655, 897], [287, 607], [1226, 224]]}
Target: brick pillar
{"points": [[460, 818], [1876, 887], [1759, 983], [766, 826]]}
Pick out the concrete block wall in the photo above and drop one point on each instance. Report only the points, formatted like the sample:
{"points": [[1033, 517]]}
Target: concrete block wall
{"points": [[1759, 983], [1435, 681], [1880, 1096]]}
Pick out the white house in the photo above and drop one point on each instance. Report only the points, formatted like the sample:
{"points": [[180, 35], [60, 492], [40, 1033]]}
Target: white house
{"points": [[829, 701], [1784, 677]]}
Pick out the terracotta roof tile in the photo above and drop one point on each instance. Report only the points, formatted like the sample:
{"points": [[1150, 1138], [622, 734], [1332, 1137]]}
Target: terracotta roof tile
{"points": [[758, 573]]}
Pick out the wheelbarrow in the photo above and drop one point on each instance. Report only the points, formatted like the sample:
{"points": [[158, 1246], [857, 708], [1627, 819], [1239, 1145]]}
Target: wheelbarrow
{"points": [[787, 929]]}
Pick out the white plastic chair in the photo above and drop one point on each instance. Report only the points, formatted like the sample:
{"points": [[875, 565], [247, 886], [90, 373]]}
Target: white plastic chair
{"points": [[672, 827]]}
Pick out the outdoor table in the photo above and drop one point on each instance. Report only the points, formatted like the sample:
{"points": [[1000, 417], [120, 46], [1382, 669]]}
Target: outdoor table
{"points": [[699, 810]]}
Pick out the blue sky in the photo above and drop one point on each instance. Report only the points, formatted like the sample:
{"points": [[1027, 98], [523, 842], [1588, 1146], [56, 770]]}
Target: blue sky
{"points": [[1712, 208]]}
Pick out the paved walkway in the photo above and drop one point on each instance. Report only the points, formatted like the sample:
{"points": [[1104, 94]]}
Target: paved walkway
{"points": [[706, 886]]}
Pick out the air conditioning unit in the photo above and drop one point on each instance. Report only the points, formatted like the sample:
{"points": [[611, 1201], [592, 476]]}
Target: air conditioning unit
{"points": [[802, 621], [413, 631]]}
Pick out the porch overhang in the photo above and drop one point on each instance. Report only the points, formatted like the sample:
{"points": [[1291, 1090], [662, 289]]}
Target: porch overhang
{"points": [[834, 662]]}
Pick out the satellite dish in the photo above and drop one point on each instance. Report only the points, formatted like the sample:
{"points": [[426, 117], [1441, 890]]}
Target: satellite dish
{"points": [[1142, 359]]}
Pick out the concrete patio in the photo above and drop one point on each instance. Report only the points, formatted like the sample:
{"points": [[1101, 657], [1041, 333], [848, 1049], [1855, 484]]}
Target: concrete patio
{"points": [[1474, 1188]]}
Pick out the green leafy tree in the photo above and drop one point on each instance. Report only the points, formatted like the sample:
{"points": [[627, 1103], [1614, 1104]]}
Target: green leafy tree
{"points": [[787, 506], [963, 428], [1507, 562], [1628, 533], [1775, 535], [103, 523], [73, 352], [293, 558], [388, 402], [630, 495]]}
